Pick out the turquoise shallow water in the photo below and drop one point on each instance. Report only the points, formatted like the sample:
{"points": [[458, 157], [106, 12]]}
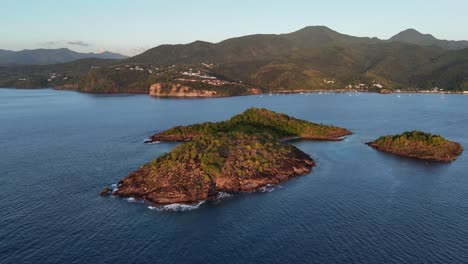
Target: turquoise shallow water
{"points": [[59, 148]]}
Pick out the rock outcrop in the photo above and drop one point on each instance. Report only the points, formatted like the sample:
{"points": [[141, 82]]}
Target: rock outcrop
{"points": [[185, 90], [178, 90], [106, 191]]}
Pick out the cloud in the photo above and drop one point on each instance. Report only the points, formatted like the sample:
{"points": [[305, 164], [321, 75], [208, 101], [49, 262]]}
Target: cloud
{"points": [[78, 43], [50, 43], [62, 43]]}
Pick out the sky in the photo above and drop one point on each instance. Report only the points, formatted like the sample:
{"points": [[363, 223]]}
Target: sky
{"points": [[132, 26]]}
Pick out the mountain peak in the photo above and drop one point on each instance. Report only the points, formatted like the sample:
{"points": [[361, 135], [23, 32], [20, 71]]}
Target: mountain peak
{"points": [[412, 36], [322, 36], [315, 29], [411, 31]]}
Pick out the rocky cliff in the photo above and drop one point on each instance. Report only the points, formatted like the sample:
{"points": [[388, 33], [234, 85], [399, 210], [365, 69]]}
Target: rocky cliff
{"points": [[186, 90], [178, 90]]}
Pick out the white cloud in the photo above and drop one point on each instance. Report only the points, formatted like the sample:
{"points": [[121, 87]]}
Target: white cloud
{"points": [[64, 43]]}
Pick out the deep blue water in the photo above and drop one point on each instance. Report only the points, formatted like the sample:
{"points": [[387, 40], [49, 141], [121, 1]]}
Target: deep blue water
{"points": [[59, 148]]}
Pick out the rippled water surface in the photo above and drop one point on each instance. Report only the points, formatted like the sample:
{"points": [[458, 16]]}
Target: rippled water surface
{"points": [[58, 149]]}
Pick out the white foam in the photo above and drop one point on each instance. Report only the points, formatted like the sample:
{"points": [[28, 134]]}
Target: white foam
{"points": [[150, 142], [114, 187], [223, 195], [267, 188], [177, 207], [131, 199]]}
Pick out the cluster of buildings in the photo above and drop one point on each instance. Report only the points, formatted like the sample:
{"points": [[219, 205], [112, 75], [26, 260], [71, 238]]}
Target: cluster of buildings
{"points": [[150, 69], [201, 77], [52, 76], [198, 74], [55, 76], [215, 82], [356, 86], [209, 66], [364, 86], [433, 90]]}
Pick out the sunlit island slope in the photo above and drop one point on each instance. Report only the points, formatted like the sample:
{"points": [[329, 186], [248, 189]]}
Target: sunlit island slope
{"points": [[419, 145], [242, 154], [255, 121]]}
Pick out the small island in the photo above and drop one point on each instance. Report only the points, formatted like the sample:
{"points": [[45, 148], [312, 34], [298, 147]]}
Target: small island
{"points": [[419, 145], [243, 154]]}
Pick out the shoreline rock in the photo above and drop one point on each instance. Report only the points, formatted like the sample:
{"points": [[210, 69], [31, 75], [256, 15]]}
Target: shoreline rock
{"points": [[105, 191]]}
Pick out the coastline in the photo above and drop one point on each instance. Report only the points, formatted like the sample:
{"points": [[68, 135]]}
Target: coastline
{"points": [[270, 93]]}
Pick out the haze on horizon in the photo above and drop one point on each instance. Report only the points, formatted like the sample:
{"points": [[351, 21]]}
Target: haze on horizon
{"points": [[131, 27]]}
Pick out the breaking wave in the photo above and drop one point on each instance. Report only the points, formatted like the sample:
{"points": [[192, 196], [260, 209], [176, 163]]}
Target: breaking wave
{"points": [[114, 187], [149, 141], [223, 195], [267, 188], [177, 207]]}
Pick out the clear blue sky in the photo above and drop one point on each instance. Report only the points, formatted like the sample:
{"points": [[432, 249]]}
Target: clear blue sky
{"points": [[130, 26]]}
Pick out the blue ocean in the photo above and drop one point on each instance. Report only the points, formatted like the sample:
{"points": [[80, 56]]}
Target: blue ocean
{"points": [[58, 149]]}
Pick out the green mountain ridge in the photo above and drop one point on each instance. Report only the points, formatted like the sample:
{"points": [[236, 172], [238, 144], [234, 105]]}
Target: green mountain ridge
{"points": [[313, 58], [50, 56], [413, 36]]}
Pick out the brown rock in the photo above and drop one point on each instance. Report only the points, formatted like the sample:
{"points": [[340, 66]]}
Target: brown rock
{"points": [[106, 191], [178, 90]]}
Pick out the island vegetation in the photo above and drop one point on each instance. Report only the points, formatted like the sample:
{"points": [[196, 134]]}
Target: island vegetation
{"points": [[243, 154], [419, 145], [254, 121]]}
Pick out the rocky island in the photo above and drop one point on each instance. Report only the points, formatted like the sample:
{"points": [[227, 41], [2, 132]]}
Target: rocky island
{"points": [[419, 145], [243, 154]]}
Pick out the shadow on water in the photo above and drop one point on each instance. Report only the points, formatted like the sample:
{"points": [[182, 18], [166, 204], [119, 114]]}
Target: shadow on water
{"points": [[103, 95], [398, 159]]}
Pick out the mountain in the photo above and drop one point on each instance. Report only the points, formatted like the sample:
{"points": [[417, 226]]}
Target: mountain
{"points": [[321, 36], [50, 56], [248, 48], [413, 36], [313, 58]]}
